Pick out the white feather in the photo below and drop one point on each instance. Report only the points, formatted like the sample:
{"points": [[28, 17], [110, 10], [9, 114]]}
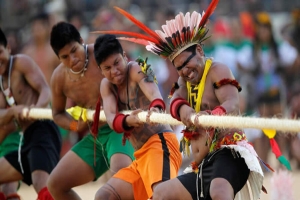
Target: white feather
{"points": [[166, 30], [187, 19], [179, 21], [161, 34]]}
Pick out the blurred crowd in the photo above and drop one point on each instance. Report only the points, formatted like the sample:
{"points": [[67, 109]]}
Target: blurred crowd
{"points": [[258, 40]]}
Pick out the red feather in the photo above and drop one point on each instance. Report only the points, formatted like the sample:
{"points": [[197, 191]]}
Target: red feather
{"points": [[211, 8], [133, 34], [138, 23], [135, 40]]}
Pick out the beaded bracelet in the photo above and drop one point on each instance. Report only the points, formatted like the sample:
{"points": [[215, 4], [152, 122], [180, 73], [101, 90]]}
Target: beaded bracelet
{"points": [[73, 125]]}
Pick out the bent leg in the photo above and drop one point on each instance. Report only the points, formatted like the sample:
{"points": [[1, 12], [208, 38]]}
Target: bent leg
{"points": [[70, 172], [119, 155], [221, 189], [9, 188], [115, 189], [8, 173], [39, 179], [171, 190], [119, 161], [229, 175]]}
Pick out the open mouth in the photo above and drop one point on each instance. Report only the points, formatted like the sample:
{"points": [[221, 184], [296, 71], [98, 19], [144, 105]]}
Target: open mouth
{"points": [[191, 75]]}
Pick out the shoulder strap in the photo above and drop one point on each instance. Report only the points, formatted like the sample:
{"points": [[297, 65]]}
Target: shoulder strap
{"points": [[201, 86]]}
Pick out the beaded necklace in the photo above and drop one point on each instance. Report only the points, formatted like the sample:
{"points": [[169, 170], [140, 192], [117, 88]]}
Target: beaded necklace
{"points": [[7, 92]]}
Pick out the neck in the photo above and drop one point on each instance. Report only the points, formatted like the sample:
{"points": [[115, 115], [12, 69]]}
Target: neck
{"points": [[6, 69], [84, 68]]}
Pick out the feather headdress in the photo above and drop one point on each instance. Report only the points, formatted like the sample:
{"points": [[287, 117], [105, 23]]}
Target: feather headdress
{"points": [[177, 34]]}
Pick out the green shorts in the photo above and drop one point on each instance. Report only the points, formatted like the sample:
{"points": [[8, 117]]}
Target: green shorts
{"points": [[108, 143], [10, 143], [63, 132]]}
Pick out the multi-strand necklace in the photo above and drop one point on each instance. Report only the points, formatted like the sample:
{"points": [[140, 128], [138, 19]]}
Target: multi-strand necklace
{"points": [[81, 72]]}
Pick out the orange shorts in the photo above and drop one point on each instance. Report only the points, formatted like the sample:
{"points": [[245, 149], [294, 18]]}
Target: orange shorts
{"points": [[158, 160]]}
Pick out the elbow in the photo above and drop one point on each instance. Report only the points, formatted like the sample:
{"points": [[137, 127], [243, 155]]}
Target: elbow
{"points": [[233, 108], [55, 117]]}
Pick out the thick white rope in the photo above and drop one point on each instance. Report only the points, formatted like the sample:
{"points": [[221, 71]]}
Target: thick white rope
{"points": [[285, 125]]}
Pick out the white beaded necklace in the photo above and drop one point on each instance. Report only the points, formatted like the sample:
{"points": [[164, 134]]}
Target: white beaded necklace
{"points": [[81, 72]]}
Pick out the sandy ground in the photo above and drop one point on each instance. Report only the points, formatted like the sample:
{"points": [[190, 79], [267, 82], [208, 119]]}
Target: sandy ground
{"points": [[88, 191]]}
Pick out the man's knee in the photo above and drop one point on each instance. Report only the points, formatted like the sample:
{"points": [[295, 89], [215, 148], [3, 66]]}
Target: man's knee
{"points": [[50, 184], [107, 192], [54, 184], [98, 195], [221, 189], [159, 192]]}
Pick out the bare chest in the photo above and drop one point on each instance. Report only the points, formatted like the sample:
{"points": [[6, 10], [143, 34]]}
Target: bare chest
{"points": [[208, 99], [83, 90], [131, 97], [18, 88]]}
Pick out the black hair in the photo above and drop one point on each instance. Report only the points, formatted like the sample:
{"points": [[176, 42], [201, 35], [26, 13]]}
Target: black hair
{"points": [[3, 40], [191, 48], [105, 46], [62, 34]]}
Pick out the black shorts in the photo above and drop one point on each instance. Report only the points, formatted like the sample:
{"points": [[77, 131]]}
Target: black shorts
{"points": [[222, 164], [40, 150]]}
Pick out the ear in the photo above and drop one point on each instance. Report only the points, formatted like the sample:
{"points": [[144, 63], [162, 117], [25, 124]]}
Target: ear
{"points": [[81, 41], [8, 48], [124, 56], [199, 49]]}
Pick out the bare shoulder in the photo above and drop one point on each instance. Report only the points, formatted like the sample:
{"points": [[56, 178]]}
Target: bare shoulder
{"points": [[23, 60], [134, 67], [105, 82], [24, 63], [105, 86], [58, 75], [135, 71], [91, 51], [90, 47], [181, 82], [219, 71]]}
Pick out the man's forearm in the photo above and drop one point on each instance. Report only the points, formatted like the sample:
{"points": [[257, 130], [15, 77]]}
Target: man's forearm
{"points": [[44, 99], [63, 120], [6, 130], [6, 116]]}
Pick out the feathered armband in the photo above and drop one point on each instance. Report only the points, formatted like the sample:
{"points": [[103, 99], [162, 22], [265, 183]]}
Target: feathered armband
{"points": [[226, 81]]}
